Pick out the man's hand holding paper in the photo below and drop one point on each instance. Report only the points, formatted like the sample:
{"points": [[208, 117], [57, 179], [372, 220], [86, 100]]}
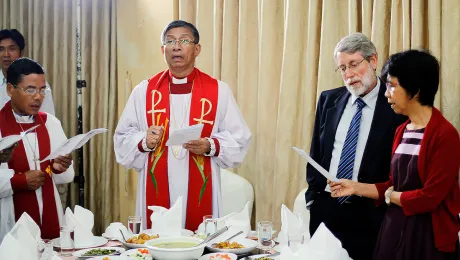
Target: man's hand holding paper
{"points": [[62, 163], [198, 147]]}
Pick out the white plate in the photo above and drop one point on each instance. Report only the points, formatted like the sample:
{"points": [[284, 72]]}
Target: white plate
{"points": [[109, 237], [127, 254], [80, 253], [97, 241], [257, 256], [207, 256], [248, 244]]}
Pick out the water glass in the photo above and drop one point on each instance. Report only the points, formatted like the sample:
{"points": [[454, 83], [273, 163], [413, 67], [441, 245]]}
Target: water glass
{"points": [[47, 251], [264, 234], [135, 224], [66, 241], [295, 241], [210, 225]]}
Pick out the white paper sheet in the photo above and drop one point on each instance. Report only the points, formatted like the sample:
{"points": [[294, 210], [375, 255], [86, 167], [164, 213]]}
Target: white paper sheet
{"points": [[318, 167], [74, 143], [184, 135], [9, 141]]}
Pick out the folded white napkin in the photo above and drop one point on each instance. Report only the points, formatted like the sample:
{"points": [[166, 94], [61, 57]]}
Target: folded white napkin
{"points": [[23, 241], [291, 225], [303, 252], [26, 221], [322, 246], [167, 221], [325, 246], [82, 222], [12, 249]]}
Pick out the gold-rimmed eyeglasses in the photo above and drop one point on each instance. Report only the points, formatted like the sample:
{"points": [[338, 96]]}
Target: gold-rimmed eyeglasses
{"points": [[32, 91], [352, 66], [182, 42]]}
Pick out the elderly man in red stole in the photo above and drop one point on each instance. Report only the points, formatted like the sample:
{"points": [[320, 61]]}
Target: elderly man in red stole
{"points": [[27, 183], [173, 99]]}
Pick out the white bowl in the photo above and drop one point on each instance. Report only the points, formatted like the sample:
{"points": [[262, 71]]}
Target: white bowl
{"points": [[113, 231], [175, 253], [208, 256]]}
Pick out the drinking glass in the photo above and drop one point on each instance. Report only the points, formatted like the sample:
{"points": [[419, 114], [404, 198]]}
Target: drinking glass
{"points": [[210, 225], [47, 251], [295, 241], [135, 224], [66, 241], [264, 234]]}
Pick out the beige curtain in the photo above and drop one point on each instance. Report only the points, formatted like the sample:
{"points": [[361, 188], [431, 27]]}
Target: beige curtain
{"points": [[277, 56], [49, 29]]}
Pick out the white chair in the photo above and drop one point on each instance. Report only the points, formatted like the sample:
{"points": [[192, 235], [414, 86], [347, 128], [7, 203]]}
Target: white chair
{"points": [[300, 207], [236, 192]]}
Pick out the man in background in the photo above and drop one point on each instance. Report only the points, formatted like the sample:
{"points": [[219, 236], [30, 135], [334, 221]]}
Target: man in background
{"points": [[12, 46]]}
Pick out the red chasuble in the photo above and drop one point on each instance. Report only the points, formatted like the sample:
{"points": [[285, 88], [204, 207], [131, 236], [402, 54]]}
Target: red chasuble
{"points": [[25, 200], [203, 109]]}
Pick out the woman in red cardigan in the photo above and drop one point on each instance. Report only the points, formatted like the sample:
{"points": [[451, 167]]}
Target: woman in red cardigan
{"points": [[423, 193]]}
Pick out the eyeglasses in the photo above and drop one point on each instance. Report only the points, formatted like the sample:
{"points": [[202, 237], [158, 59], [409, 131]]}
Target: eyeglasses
{"points": [[390, 86], [182, 42], [353, 65], [34, 91]]}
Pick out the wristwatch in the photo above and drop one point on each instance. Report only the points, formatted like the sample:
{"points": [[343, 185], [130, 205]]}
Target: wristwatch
{"points": [[388, 194]]}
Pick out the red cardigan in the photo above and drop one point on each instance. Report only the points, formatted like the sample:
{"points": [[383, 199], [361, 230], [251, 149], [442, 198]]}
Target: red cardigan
{"points": [[438, 166]]}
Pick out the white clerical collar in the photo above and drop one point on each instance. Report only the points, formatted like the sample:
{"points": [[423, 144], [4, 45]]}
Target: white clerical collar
{"points": [[2, 78], [370, 98], [23, 119], [179, 81]]}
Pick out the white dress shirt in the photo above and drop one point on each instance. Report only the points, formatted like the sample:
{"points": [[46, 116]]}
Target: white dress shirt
{"points": [[366, 120], [47, 105]]}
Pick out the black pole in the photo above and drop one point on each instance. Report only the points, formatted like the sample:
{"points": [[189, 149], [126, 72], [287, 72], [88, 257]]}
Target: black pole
{"points": [[80, 179]]}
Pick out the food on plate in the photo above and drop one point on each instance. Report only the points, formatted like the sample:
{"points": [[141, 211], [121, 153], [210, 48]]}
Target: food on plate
{"points": [[141, 254], [228, 245], [263, 258], [141, 238], [220, 257], [176, 245], [100, 252]]}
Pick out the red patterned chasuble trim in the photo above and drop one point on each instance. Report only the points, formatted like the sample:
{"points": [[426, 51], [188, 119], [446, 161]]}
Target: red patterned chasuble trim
{"points": [[202, 111]]}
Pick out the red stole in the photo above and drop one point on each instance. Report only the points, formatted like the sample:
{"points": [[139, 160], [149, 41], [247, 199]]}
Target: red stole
{"points": [[26, 200], [203, 109]]}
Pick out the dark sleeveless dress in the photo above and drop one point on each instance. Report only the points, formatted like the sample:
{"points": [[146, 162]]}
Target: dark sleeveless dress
{"points": [[408, 237]]}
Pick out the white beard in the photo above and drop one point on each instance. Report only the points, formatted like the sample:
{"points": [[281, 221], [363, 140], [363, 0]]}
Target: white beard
{"points": [[366, 83]]}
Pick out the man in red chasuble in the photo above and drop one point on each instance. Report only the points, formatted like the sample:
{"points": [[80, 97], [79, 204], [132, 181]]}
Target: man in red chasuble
{"points": [[173, 99], [27, 183]]}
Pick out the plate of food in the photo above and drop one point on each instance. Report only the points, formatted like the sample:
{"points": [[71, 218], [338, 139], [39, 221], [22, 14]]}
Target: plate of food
{"points": [[138, 241], [111, 257], [97, 252], [236, 246], [136, 254], [219, 256]]}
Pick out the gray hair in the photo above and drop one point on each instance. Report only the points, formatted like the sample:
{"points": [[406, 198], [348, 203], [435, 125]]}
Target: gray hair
{"points": [[353, 43]]}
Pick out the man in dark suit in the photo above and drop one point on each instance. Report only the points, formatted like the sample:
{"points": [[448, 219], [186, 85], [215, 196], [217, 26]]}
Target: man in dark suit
{"points": [[352, 137]]}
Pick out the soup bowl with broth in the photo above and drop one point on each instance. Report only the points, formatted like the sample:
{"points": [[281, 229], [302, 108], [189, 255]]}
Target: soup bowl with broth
{"points": [[175, 248]]}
